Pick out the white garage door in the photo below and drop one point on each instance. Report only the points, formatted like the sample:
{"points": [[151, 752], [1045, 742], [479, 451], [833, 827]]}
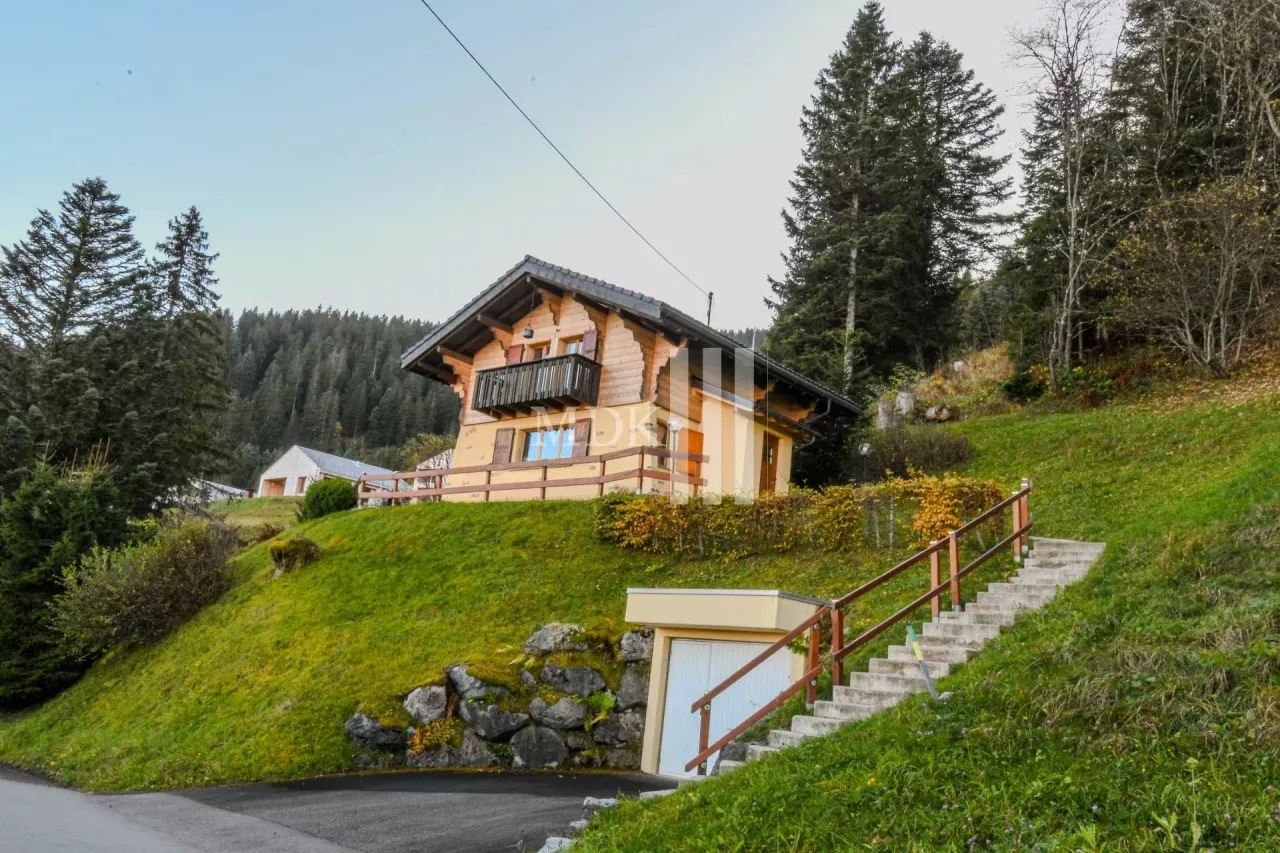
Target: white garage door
{"points": [[695, 667]]}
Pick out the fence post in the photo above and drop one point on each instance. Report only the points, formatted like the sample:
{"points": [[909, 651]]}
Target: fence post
{"points": [[953, 544], [704, 737], [837, 642], [1017, 525], [815, 642], [935, 576], [1026, 515]]}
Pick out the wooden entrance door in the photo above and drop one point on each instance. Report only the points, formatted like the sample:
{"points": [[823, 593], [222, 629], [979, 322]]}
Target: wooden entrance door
{"points": [[769, 465]]}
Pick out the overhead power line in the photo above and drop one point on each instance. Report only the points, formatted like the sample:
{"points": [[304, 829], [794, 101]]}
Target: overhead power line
{"points": [[569, 162]]}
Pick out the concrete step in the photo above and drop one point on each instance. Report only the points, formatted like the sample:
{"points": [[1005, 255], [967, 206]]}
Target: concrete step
{"points": [[782, 738], [961, 630], [1002, 606], [950, 655], [1058, 561], [931, 645], [1025, 601], [1047, 590], [1058, 577], [909, 668], [883, 682], [757, 751], [728, 766], [977, 617], [827, 719], [871, 698], [839, 712], [1066, 543]]}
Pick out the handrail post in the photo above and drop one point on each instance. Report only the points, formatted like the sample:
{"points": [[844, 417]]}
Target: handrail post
{"points": [[1025, 513], [704, 736], [837, 640], [953, 546], [935, 577], [1017, 525], [815, 652]]}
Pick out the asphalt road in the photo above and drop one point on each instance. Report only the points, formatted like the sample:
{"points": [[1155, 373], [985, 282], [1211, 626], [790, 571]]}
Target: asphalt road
{"points": [[389, 813]]}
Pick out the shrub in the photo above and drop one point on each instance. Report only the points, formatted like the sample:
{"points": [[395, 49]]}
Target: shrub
{"points": [[140, 592], [897, 512], [897, 452], [46, 525], [327, 496], [290, 554], [1025, 386]]}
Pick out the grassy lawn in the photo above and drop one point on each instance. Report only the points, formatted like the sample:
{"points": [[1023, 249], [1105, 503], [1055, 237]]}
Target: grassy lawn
{"points": [[259, 684], [1140, 711], [250, 515]]}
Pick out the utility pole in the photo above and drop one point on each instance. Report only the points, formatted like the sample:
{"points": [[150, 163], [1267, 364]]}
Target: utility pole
{"points": [[710, 298]]}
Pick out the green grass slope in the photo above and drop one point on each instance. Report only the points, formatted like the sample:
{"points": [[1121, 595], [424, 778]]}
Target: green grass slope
{"points": [[259, 684], [250, 515], [1140, 711]]}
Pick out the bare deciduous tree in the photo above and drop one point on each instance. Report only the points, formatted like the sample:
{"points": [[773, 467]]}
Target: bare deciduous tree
{"points": [[1202, 270], [1070, 88]]}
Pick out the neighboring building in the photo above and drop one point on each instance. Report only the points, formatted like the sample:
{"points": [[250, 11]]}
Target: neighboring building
{"points": [[203, 492], [299, 467], [553, 366]]}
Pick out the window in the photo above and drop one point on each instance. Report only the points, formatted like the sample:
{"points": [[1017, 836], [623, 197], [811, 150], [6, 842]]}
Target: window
{"points": [[548, 444], [573, 346], [539, 352]]}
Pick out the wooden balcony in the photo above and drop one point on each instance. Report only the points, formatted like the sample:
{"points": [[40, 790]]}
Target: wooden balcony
{"points": [[552, 383]]}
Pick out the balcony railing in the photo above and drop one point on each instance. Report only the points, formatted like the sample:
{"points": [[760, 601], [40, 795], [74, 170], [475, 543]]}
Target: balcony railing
{"points": [[553, 383]]}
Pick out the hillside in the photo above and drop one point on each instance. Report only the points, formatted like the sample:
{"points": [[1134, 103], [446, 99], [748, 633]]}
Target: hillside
{"points": [[259, 685], [1140, 711]]}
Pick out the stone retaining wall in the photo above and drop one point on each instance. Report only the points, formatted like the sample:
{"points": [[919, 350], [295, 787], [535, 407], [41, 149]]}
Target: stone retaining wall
{"points": [[571, 703]]}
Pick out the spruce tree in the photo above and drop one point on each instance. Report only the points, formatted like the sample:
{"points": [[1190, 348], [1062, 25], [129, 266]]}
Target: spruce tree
{"points": [[76, 270]]}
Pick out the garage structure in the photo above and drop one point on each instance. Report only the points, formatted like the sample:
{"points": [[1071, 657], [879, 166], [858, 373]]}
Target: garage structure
{"points": [[701, 637]]}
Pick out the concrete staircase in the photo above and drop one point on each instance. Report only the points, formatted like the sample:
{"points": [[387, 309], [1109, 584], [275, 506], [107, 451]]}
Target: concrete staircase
{"points": [[950, 639]]}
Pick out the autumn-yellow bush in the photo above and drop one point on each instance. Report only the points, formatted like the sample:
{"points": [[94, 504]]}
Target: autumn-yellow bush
{"points": [[906, 511]]}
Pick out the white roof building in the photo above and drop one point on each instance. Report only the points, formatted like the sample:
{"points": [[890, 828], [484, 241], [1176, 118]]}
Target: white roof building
{"points": [[300, 466]]}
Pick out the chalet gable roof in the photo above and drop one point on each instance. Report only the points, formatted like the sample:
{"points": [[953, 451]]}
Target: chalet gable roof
{"points": [[510, 298]]}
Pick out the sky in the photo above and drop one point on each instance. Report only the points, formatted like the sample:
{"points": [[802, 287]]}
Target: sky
{"points": [[347, 153]]}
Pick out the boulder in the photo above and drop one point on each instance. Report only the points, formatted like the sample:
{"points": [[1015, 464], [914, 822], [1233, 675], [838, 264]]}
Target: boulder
{"points": [[490, 721], [578, 740], [624, 759], [958, 367], [591, 805], [555, 844], [637, 645], [555, 637], [884, 416], [944, 414], [443, 756], [904, 403], [538, 748], [472, 688], [475, 752], [528, 680], [734, 751], [566, 713], [365, 732], [365, 761], [619, 730], [578, 680], [633, 692], [427, 704]]}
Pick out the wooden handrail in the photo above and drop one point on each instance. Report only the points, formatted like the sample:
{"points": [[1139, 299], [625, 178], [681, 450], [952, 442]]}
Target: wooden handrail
{"points": [[1022, 524], [760, 714]]}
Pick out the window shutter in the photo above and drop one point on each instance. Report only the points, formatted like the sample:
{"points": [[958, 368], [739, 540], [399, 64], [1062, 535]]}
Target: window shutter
{"points": [[514, 353], [581, 436], [502, 442], [590, 342], [690, 442]]}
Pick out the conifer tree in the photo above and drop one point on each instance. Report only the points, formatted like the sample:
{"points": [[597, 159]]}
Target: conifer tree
{"points": [[76, 269]]}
